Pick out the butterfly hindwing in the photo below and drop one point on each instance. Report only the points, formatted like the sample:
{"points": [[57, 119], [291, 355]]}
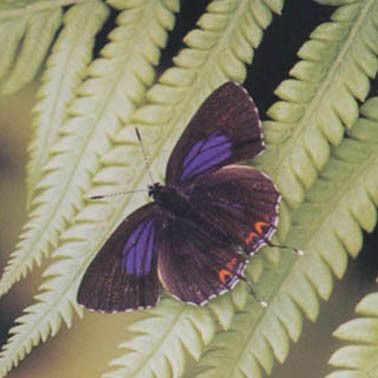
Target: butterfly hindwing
{"points": [[194, 268], [234, 208], [123, 275], [225, 129], [241, 203]]}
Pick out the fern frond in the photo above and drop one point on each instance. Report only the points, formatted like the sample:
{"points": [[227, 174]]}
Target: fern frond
{"points": [[328, 228], [65, 70], [320, 100], [359, 358], [29, 35], [116, 85]]}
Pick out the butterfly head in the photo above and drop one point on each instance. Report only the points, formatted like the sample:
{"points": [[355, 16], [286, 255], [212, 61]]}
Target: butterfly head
{"points": [[154, 189]]}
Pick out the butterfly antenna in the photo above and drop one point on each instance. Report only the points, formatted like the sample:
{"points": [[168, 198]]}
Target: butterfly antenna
{"points": [[263, 303], [145, 155], [100, 196], [297, 251]]}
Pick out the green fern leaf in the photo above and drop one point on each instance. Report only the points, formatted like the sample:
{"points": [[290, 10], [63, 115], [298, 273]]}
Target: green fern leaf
{"points": [[321, 99], [179, 92], [116, 85], [359, 358], [328, 227], [28, 32], [61, 80]]}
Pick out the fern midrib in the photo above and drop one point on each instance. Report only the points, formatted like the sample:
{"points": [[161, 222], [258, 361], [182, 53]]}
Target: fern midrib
{"points": [[53, 112], [288, 266], [315, 104], [39, 7], [71, 178]]}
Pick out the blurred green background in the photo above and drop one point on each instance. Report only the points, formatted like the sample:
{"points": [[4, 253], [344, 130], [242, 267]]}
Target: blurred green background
{"points": [[85, 350]]}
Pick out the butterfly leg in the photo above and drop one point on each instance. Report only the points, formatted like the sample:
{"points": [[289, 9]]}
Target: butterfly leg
{"points": [[261, 235], [297, 251], [225, 274], [262, 302], [248, 282]]}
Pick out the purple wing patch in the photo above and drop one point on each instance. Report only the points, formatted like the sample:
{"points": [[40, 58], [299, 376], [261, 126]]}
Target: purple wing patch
{"points": [[139, 249], [226, 129], [206, 154], [107, 285]]}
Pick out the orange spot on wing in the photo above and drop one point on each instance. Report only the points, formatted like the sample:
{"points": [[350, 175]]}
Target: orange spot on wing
{"points": [[224, 275], [259, 227], [232, 263], [250, 237], [258, 231]]}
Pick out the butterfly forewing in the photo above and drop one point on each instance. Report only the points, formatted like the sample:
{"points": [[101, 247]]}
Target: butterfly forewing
{"points": [[123, 275], [225, 129]]}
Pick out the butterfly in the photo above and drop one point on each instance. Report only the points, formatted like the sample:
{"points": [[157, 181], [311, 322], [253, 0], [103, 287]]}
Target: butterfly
{"points": [[196, 236]]}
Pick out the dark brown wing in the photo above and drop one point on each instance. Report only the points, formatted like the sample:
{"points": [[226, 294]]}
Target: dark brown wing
{"points": [[225, 129], [195, 267], [240, 202], [123, 275]]}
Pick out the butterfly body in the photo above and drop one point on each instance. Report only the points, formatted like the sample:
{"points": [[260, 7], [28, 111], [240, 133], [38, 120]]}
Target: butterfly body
{"points": [[170, 200], [195, 236]]}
